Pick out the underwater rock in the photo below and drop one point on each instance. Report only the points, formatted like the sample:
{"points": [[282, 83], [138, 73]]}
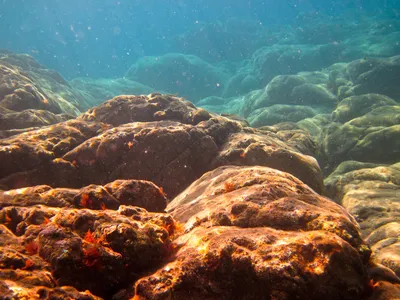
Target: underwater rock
{"points": [[26, 275], [140, 193], [96, 91], [375, 75], [370, 127], [291, 90], [279, 113], [186, 75], [233, 40], [154, 107], [269, 62], [356, 106], [252, 263], [101, 251], [173, 145], [371, 194], [25, 84], [28, 118], [315, 125], [240, 84], [251, 228], [274, 150], [39, 147], [339, 142]]}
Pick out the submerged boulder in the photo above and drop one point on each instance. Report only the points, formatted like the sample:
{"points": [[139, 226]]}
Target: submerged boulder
{"points": [[160, 138], [25, 84], [187, 75], [371, 194], [255, 231]]}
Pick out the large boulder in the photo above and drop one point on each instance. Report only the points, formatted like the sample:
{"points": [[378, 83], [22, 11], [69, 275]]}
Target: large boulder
{"points": [[186, 75], [375, 75], [371, 194], [279, 113], [255, 231], [290, 90], [159, 138], [59, 249], [25, 84]]}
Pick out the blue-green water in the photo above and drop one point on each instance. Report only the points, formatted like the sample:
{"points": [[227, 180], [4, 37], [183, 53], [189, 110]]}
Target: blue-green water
{"points": [[104, 38]]}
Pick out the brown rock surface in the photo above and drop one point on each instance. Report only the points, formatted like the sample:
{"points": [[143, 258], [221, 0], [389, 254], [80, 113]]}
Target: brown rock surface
{"points": [[37, 149], [253, 231], [29, 118], [140, 193], [25, 84], [43, 249], [255, 263], [154, 107], [372, 195], [171, 154]]}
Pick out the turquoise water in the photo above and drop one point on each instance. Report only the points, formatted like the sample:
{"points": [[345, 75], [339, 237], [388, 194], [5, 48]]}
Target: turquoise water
{"points": [[82, 38]]}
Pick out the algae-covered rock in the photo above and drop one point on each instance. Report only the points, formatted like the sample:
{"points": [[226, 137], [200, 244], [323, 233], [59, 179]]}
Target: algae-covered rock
{"points": [[290, 90], [187, 75], [25, 84], [371, 194], [375, 75], [99, 90], [356, 106], [279, 113]]}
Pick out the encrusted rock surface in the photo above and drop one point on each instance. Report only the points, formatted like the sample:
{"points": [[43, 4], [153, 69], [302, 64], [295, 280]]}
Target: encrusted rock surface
{"points": [[258, 231], [84, 211], [159, 138], [372, 195], [48, 246], [25, 84]]}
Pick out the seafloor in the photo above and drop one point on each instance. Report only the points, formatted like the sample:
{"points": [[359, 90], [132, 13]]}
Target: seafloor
{"points": [[281, 181]]}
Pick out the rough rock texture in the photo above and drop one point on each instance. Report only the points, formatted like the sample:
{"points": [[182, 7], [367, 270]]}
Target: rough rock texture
{"points": [[140, 193], [159, 138], [47, 246], [274, 148], [154, 107], [361, 128], [372, 195], [28, 118], [25, 84], [255, 231], [37, 149]]}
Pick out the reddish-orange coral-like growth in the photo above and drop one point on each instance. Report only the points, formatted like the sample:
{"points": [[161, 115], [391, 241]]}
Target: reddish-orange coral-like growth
{"points": [[91, 255], [242, 154], [28, 264], [91, 252], [46, 220], [103, 206], [90, 238], [32, 248], [8, 219], [130, 145], [85, 201], [228, 187]]}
